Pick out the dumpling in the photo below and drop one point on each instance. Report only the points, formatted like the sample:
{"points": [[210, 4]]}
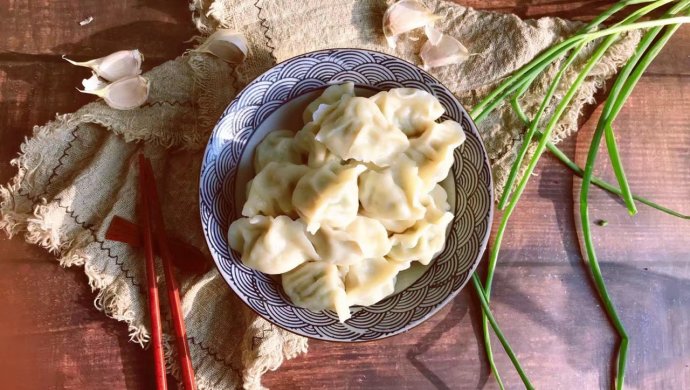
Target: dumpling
{"points": [[329, 96], [276, 146], [328, 196], [393, 195], [271, 245], [423, 240], [356, 129], [317, 286], [313, 151], [409, 109], [371, 280], [270, 192], [364, 238], [438, 199], [433, 151]]}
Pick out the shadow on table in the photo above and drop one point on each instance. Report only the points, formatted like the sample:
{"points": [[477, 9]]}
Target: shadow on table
{"points": [[158, 41], [460, 307], [653, 307]]}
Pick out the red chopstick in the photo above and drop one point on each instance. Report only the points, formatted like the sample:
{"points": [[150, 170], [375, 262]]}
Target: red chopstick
{"points": [[154, 302], [156, 216]]}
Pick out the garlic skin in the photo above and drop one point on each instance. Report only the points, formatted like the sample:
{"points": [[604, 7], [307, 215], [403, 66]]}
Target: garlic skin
{"points": [[404, 16], [227, 45], [93, 83], [441, 50], [432, 34], [115, 66], [123, 94]]}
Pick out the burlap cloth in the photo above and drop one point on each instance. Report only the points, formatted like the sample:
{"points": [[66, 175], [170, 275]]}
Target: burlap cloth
{"points": [[78, 171]]}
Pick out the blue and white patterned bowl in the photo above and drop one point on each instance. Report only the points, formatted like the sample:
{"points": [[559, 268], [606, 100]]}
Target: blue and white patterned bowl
{"points": [[261, 107]]}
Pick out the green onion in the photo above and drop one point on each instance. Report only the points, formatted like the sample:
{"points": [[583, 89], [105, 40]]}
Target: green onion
{"points": [[488, 104], [570, 164], [493, 257], [520, 82], [534, 123], [560, 109], [617, 98], [628, 79], [515, 169], [484, 301], [486, 311]]}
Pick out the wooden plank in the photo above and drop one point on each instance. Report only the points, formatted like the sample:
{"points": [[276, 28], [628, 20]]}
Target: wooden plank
{"points": [[655, 150], [673, 59], [44, 27], [53, 338], [35, 83], [31, 93]]}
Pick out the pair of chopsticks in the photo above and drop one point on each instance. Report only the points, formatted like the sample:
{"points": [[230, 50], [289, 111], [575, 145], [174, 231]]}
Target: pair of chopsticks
{"points": [[153, 230]]}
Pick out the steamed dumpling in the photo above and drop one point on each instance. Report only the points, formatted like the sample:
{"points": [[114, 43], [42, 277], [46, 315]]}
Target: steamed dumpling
{"points": [[271, 245], [315, 153], [270, 192], [356, 129], [362, 239], [433, 151], [328, 196], [329, 96], [317, 286], [345, 204], [276, 146], [370, 280], [423, 240], [437, 199], [409, 109], [393, 195]]}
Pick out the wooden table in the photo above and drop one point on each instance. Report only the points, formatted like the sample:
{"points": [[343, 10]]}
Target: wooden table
{"points": [[51, 336]]}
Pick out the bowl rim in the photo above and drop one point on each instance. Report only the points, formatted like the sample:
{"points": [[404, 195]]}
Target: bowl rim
{"points": [[483, 243]]}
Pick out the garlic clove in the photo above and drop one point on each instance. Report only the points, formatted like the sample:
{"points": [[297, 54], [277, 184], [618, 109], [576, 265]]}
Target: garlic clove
{"points": [[433, 34], [93, 83], [441, 50], [227, 45], [123, 94], [404, 16], [121, 64]]}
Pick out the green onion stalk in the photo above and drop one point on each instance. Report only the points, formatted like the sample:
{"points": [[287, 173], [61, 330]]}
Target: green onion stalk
{"points": [[560, 109], [518, 83], [549, 95], [622, 89]]}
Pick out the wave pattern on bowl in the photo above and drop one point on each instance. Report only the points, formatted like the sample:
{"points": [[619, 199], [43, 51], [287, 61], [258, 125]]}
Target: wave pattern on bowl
{"points": [[473, 196]]}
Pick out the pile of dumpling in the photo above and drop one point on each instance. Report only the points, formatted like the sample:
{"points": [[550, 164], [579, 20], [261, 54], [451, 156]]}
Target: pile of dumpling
{"points": [[347, 202]]}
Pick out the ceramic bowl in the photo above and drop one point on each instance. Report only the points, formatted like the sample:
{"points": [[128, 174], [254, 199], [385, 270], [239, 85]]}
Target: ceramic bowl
{"points": [[275, 100]]}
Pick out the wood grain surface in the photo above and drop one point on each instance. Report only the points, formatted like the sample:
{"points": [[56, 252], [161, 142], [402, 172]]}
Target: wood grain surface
{"points": [[52, 337]]}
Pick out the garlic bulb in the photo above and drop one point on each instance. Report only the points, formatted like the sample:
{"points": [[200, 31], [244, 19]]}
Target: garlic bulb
{"points": [[441, 50], [123, 94], [227, 45], [404, 16], [121, 64]]}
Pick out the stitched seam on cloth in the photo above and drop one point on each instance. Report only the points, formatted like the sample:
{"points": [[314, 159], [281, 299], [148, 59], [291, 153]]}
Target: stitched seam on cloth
{"points": [[175, 103], [86, 226], [89, 227], [256, 340], [214, 354], [265, 27], [53, 174]]}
